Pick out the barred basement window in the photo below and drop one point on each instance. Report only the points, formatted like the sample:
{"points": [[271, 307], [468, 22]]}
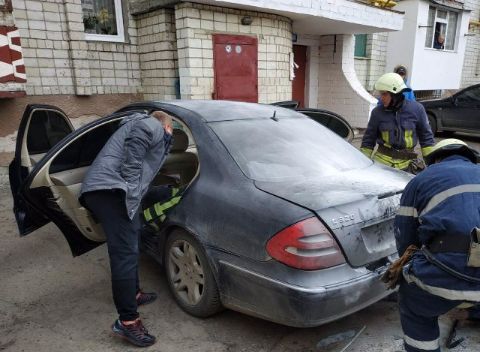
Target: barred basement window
{"points": [[103, 20], [442, 29]]}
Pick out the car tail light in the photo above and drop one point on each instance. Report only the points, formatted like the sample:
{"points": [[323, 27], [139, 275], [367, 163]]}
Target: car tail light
{"points": [[307, 245]]}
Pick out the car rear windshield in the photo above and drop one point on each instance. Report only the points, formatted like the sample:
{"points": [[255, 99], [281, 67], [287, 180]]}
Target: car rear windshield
{"points": [[287, 149]]}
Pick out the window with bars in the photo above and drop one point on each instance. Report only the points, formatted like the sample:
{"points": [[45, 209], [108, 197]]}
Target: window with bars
{"points": [[360, 45], [442, 29], [103, 20]]}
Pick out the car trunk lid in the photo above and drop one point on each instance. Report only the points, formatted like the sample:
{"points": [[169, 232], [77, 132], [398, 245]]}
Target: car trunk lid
{"points": [[358, 206]]}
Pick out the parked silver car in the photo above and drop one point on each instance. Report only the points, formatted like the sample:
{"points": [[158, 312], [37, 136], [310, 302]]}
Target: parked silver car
{"points": [[281, 218]]}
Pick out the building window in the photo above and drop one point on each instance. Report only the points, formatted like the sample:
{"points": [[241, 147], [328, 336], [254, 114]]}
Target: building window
{"points": [[103, 20], [360, 45], [6, 6], [442, 29]]}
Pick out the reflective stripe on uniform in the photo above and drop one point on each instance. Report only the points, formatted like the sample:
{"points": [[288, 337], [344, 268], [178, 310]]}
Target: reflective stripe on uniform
{"points": [[409, 139], [407, 211], [386, 136], [147, 215], [155, 214], [422, 345], [426, 150], [367, 151], [440, 197], [454, 295], [161, 207], [388, 160]]}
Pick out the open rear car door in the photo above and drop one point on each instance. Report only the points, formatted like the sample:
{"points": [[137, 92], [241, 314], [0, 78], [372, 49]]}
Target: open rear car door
{"points": [[331, 120], [46, 175]]}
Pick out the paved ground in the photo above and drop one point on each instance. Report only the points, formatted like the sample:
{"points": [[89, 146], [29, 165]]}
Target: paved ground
{"points": [[52, 302]]}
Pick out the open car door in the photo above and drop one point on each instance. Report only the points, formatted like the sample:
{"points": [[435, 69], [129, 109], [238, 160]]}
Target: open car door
{"points": [[51, 189], [41, 128], [331, 120]]}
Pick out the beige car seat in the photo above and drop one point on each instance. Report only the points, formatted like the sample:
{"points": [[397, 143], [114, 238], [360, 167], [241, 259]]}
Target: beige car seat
{"points": [[180, 164]]}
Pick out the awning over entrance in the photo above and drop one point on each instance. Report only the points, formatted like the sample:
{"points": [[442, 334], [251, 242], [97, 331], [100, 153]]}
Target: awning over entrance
{"points": [[323, 17]]}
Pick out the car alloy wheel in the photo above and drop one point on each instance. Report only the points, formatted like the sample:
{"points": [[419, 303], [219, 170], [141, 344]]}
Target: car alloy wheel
{"points": [[433, 123], [189, 276], [186, 272]]}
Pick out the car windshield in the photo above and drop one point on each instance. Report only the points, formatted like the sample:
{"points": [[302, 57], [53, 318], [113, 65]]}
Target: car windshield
{"points": [[287, 149]]}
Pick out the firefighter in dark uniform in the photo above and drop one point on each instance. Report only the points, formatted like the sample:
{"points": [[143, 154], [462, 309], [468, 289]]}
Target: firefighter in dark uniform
{"points": [[397, 125], [439, 213]]}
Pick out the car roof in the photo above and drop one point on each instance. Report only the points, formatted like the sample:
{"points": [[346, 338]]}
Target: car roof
{"points": [[224, 110]]}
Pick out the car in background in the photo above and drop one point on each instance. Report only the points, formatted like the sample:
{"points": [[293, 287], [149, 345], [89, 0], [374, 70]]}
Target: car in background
{"points": [[458, 113], [280, 218], [329, 119]]}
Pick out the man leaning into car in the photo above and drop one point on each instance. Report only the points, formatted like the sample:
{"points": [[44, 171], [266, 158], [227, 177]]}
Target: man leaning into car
{"points": [[112, 190]]}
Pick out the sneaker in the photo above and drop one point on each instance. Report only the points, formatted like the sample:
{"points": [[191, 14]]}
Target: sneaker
{"points": [[145, 297], [134, 333]]}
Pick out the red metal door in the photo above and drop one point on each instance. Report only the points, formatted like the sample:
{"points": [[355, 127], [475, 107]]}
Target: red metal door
{"points": [[236, 67], [298, 84]]}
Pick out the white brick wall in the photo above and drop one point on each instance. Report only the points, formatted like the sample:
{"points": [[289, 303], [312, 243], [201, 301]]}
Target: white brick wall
{"points": [[339, 87], [361, 68], [195, 25], [471, 64], [370, 69], [157, 49], [58, 60]]}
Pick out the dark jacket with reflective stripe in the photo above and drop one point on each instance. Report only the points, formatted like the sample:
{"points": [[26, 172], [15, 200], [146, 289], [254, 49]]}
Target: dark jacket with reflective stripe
{"points": [[443, 199], [391, 128], [129, 160]]}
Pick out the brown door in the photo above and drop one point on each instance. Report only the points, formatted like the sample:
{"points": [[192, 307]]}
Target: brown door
{"points": [[235, 67], [298, 84]]}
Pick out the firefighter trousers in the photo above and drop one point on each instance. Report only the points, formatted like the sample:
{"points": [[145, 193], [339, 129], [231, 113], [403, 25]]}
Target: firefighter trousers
{"points": [[419, 312]]}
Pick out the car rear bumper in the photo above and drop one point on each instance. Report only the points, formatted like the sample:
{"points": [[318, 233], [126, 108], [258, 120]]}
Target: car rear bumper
{"points": [[252, 293]]}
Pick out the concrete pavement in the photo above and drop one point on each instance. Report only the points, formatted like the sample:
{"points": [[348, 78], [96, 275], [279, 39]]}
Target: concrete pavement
{"points": [[52, 302]]}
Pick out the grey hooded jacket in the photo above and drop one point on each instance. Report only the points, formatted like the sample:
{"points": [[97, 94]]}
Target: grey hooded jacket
{"points": [[129, 160]]}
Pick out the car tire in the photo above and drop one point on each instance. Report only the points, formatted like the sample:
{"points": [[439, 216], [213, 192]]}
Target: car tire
{"points": [[189, 275], [433, 123]]}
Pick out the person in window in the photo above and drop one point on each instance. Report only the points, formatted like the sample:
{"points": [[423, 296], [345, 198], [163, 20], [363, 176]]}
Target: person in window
{"points": [[439, 42], [402, 71], [112, 190], [397, 126]]}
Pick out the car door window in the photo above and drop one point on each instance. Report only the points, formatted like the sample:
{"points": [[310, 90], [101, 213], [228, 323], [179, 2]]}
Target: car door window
{"points": [[84, 149], [47, 128], [332, 122]]}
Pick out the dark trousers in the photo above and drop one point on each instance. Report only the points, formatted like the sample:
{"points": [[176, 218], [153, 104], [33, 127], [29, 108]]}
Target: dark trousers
{"points": [[123, 235], [419, 312]]}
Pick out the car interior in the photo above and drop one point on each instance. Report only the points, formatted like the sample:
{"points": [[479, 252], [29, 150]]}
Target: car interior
{"points": [[46, 128], [64, 172]]}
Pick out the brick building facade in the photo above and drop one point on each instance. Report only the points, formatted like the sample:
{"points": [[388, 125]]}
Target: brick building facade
{"points": [[90, 57]]}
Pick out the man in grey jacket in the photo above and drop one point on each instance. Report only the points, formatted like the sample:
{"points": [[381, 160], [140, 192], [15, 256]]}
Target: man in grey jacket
{"points": [[112, 190]]}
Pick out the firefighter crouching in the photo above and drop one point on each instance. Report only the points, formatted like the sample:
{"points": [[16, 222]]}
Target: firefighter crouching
{"points": [[397, 125], [437, 235]]}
